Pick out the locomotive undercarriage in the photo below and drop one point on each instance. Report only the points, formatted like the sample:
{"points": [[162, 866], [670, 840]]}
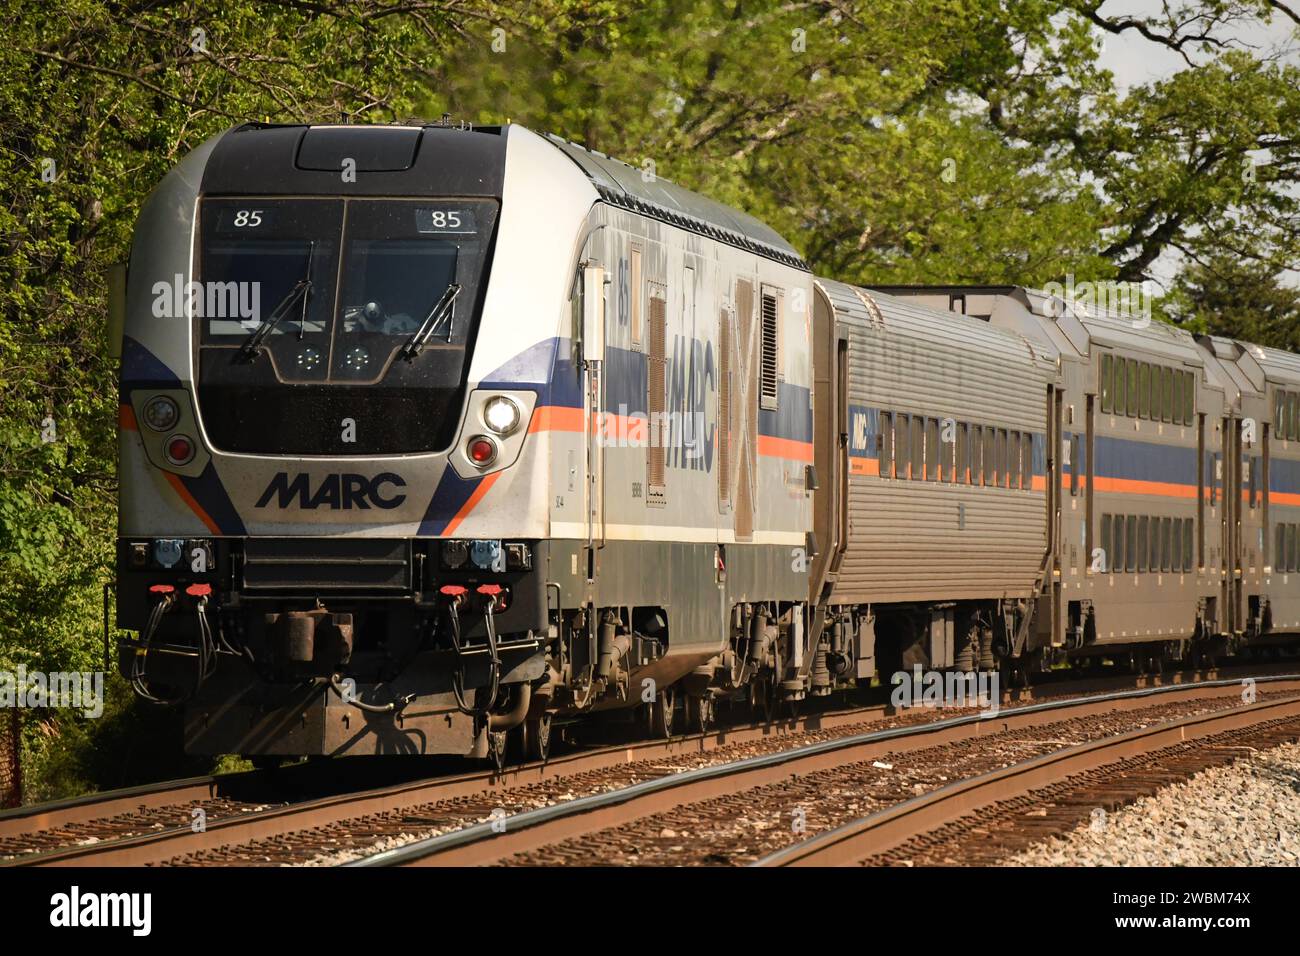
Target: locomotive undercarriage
{"points": [[473, 660], [269, 663], [295, 648], [616, 660]]}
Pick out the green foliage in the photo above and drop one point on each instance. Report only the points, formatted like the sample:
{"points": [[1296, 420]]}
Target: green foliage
{"points": [[113, 94], [892, 141], [128, 744], [949, 140], [1242, 299]]}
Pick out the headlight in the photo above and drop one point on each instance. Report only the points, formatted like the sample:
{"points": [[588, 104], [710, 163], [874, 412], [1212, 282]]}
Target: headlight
{"points": [[501, 415], [199, 556], [161, 413], [487, 555]]}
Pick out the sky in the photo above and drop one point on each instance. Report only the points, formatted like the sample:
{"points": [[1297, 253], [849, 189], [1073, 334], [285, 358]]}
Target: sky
{"points": [[1134, 61]]}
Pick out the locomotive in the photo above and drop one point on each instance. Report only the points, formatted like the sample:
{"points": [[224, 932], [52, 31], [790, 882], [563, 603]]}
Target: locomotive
{"points": [[432, 435]]}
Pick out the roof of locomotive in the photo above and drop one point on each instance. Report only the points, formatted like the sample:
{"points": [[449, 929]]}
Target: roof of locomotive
{"points": [[622, 185], [448, 160], [424, 161]]}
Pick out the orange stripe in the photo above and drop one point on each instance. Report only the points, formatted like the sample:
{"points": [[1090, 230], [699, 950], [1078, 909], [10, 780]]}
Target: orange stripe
{"points": [[1132, 486], [473, 501], [556, 418], [774, 447], [189, 500], [1283, 498], [126, 418], [864, 466]]}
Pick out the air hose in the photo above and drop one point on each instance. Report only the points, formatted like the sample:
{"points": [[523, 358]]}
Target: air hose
{"points": [[458, 675], [336, 684], [206, 651]]}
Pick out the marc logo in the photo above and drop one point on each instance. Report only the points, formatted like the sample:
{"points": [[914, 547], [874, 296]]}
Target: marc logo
{"points": [[334, 491], [74, 908]]}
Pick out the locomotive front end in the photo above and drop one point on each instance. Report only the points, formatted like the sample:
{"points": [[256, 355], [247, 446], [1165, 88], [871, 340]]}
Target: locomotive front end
{"points": [[333, 528]]}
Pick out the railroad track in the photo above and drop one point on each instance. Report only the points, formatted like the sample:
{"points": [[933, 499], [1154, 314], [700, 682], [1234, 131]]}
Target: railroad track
{"points": [[1101, 774], [154, 824], [252, 818], [698, 816]]}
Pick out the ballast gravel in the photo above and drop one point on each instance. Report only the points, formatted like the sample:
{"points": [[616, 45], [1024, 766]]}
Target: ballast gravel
{"points": [[1244, 814]]}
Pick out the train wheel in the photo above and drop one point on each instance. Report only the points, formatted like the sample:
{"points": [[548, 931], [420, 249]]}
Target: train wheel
{"points": [[699, 714], [537, 737], [662, 714]]}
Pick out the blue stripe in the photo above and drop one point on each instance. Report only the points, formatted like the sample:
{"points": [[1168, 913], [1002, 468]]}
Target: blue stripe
{"points": [[142, 367], [211, 495], [1284, 476], [1132, 460], [448, 498], [793, 416], [549, 367]]}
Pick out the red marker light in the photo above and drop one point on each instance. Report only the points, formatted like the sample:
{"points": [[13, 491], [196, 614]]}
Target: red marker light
{"points": [[451, 590], [199, 590], [180, 450], [161, 589], [491, 590], [481, 450]]}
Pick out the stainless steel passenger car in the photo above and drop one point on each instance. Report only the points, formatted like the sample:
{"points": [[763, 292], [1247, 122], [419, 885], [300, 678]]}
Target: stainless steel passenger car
{"points": [[934, 438], [1173, 478]]}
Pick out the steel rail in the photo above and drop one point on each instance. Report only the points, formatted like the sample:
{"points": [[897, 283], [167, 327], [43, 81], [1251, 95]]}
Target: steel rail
{"points": [[883, 831], [159, 845], [60, 813], [492, 841], [156, 846]]}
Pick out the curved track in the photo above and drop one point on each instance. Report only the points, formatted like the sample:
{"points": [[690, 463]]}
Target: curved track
{"points": [[280, 817], [911, 822], [521, 836]]}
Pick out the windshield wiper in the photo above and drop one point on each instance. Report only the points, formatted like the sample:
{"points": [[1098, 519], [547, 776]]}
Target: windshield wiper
{"points": [[253, 343], [302, 317], [444, 308]]}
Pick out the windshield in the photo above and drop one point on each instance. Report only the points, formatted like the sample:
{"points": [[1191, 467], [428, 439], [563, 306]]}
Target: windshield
{"points": [[390, 285], [294, 341]]}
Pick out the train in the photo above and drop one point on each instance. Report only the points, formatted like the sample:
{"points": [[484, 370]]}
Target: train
{"points": [[433, 437]]}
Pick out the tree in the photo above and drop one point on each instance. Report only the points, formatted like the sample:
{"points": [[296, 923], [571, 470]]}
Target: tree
{"points": [[97, 100], [953, 140], [1242, 299]]}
